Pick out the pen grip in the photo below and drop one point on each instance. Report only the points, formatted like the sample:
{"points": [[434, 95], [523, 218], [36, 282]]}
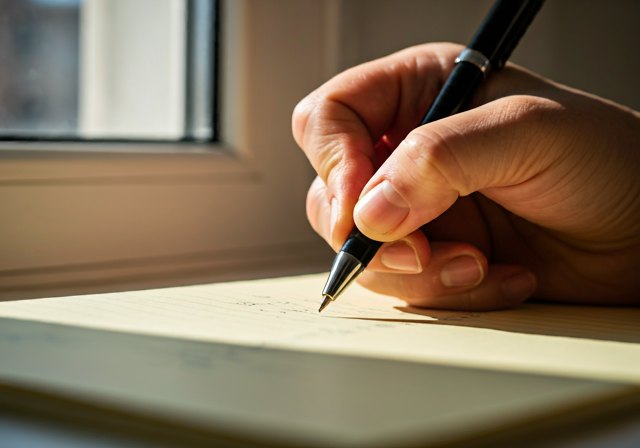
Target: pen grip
{"points": [[456, 93]]}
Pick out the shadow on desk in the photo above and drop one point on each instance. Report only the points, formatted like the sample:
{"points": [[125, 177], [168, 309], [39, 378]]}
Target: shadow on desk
{"points": [[619, 324]]}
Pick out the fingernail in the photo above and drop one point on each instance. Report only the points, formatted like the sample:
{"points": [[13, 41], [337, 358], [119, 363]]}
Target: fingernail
{"points": [[334, 219], [461, 271], [518, 287], [401, 256], [382, 209]]}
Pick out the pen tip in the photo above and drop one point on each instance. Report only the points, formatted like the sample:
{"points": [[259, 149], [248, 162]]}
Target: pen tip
{"points": [[325, 302]]}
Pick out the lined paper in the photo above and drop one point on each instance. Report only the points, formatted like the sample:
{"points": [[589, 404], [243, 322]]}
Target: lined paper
{"points": [[575, 341]]}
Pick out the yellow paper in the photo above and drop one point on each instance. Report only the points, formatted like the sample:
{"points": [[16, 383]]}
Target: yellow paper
{"points": [[575, 341]]}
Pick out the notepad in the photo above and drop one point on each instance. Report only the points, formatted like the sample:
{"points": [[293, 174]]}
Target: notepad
{"points": [[256, 361], [590, 342]]}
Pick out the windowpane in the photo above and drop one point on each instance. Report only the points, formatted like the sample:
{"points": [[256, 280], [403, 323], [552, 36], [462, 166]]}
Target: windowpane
{"points": [[39, 66], [108, 69]]}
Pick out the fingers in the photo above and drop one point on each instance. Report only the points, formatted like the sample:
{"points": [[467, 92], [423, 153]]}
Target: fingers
{"points": [[494, 146], [319, 210], [440, 274], [388, 96], [410, 255], [349, 126], [457, 278], [406, 255]]}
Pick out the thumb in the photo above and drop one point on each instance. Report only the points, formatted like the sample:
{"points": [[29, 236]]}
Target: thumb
{"points": [[495, 145]]}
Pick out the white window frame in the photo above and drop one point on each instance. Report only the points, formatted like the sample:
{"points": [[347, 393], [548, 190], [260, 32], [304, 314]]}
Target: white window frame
{"points": [[83, 217]]}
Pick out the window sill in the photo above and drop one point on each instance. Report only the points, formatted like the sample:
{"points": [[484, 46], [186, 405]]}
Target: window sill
{"points": [[121, 163]]}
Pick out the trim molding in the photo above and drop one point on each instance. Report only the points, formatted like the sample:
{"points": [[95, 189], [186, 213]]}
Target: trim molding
{"points": [[265, 261]]}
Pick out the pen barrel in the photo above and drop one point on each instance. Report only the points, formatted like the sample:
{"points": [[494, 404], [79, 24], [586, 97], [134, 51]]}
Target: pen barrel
{"points": [[502, 29], [361, 247], [456, 93]]}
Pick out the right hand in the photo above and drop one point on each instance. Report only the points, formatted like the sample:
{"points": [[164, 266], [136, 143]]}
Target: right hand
{"points": [[533, 190]]}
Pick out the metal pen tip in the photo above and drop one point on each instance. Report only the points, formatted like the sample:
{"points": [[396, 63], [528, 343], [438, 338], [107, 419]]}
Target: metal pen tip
{"points": [[325, 302]]}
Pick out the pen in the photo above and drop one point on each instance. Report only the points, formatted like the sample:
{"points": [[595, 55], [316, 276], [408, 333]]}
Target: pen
{"points": [[489, 49]]}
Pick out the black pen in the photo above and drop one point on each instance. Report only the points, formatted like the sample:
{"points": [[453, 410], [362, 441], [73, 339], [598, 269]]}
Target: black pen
{"points": [[489, 49]]}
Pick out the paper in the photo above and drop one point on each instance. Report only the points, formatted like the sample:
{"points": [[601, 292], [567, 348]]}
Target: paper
{"points": [[584, 342]]}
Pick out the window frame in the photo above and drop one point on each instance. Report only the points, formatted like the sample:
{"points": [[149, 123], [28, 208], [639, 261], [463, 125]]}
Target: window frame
{"points": [[50, 160]]}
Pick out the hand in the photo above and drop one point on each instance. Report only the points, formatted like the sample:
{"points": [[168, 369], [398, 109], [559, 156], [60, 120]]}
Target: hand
{"points": [[535, 190]]}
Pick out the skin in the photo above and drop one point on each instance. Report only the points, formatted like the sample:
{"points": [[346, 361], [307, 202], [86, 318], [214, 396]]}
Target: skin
{"points": [[534, 191]]}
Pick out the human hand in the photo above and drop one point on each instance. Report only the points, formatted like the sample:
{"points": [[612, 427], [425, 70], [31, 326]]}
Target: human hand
{"points": [[535, 190]]}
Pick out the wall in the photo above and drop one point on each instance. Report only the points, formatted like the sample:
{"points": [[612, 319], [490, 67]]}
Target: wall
{"points": [[587, 44]]}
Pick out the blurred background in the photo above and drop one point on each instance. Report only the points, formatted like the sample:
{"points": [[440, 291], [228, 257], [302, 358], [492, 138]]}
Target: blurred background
{"points": [[39, 56], [138, 69], [586, 44]]}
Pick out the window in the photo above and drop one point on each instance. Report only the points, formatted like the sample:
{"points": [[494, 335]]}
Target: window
{"points": [[122, 211], [109, 69], [39, 67]]}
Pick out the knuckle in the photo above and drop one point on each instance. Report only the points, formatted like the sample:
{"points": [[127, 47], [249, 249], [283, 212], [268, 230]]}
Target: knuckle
{"points": [[329, 159], [431, 155], [335, 136], [428, 149], [526, 109]]}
